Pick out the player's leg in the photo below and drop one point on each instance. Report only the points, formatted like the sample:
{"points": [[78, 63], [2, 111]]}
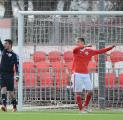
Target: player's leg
{"points": [[77, 88], [3, 93], [89, 88], [4, 99], [10, 88], [79, 100], [13, 100], [88, 98]]}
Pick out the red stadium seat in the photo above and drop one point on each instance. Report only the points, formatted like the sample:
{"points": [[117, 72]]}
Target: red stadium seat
{"points": [[30, 79], [121, 79], [69, 65], [68, 56], [39, 56], [54, 56], [42, 66], [61, 79], [28, 67], [59, 73], [110, 80], [58, 66], [116, 56], [45, 79]]}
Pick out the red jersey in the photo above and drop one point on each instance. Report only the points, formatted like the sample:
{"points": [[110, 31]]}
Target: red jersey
{"points": [[82, 57]]}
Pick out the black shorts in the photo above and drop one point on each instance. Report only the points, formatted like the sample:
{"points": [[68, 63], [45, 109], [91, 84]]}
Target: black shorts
{"points": [[7, 80]]}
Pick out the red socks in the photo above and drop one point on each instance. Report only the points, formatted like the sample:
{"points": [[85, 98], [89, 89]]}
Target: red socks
{"points": [[79, 101], [88, 97]]}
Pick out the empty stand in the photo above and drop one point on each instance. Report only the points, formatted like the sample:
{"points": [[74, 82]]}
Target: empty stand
{"points": [[68, 56], [110, 80], [60, 74], [54, 56], [28, 67], [121, 79], [30, 80], [116, 56], [45, 79], [39, 56], [42, 67]]}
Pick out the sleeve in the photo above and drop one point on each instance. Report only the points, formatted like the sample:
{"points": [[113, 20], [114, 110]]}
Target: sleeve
{"points": [[103, 50], [1, 46], [76, 49], [17, 65]]}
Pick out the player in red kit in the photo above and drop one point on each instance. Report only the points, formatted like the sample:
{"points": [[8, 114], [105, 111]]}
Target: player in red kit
{"points": [[80, 77]]}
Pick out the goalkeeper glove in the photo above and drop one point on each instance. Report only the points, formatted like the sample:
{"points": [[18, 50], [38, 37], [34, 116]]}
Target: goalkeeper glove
{"points": [[17, 78]]}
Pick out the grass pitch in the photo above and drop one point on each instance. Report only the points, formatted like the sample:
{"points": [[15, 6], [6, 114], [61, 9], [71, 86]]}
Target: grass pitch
{"points": [[61, 115]]}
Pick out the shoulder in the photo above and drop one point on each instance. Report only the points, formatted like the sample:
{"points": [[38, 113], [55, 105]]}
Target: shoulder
{"points": [[14, 54], [89, 50]]}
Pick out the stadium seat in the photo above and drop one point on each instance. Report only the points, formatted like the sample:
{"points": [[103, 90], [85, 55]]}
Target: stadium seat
{"points": [[28, 67], [45, 79], [57, 66], [43, 73], [54, 56], [92, 66], [110, 80], [30, 79], [68, 56], [59, 73], [69, 65], [61, 79], [28, 60], [42, 66], [121, 79], [39, 56], [116, 56]]}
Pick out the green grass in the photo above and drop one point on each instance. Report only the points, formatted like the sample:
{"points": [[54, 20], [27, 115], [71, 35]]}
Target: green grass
{"points": [[61, 115]]}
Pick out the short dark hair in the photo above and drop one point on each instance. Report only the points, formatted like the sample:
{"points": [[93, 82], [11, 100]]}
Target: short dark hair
{"points": [[9, 41], [81, 39]]}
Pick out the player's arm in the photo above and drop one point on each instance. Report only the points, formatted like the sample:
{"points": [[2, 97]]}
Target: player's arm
{"points": [[77, 49], [103, 50], [1, 46], [17, 67]]}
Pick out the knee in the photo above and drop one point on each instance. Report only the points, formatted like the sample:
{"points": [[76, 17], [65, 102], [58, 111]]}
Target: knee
{"points": [[3, 90], [11, 93]]}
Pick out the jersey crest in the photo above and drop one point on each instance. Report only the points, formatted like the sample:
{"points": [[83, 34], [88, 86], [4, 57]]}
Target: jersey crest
{"points": [[86, 53]]}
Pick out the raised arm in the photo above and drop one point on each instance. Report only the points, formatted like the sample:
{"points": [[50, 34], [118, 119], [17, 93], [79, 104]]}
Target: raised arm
{"points": [[1, 46], [103, 50], [77, 49]]}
